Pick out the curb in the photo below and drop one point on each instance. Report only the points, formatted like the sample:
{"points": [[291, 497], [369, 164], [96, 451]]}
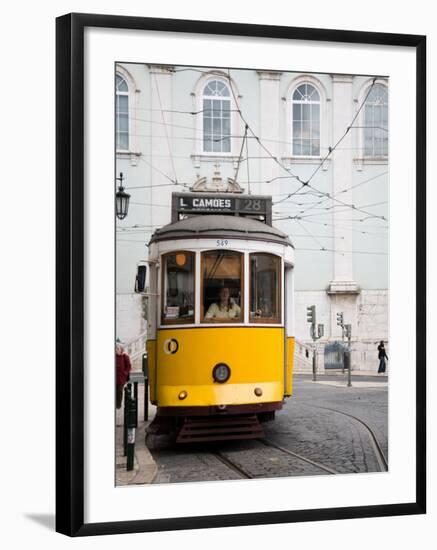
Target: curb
{"points": [[145, 468]]}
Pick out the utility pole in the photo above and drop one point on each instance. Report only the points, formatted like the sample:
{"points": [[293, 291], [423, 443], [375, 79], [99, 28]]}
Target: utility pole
{"points": [[311, 318], [340, 323], [348, 331]]}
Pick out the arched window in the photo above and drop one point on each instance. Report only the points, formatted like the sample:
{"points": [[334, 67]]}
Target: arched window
{"points": [[121, 114], [376, 122], [216, 117], [306, 120]]}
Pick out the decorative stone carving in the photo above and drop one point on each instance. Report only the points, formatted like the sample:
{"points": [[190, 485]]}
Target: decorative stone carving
{"points": [[217, 184]]}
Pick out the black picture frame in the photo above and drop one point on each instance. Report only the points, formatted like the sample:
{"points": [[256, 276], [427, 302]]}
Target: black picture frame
{"points": [[70, 273]]}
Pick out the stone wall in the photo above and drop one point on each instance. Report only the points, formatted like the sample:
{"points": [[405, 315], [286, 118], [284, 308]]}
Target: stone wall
{"points": [[130, 320], [367, 312]]}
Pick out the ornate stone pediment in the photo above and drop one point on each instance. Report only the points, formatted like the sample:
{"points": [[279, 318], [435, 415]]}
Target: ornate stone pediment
{"points": [[217, 184]]}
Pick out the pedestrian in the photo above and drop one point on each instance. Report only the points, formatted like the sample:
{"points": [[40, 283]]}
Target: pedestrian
{"points": [[123, 365], [382, 356]]}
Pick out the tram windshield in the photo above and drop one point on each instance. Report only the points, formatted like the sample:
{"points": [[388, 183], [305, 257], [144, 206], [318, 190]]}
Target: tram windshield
{"points": [[222, 286], [178, 282], [264, 288]]}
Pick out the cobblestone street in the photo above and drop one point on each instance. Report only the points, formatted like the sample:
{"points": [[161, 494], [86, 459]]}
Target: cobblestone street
{"points": [[313, 435]]}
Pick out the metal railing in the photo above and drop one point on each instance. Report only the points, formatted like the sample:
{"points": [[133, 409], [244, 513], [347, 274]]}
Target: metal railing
{"points": [[136, 346], [303, 354]]}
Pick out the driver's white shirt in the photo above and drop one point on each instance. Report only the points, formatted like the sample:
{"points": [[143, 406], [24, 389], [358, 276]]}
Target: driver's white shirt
{"points": [[216, 311]]}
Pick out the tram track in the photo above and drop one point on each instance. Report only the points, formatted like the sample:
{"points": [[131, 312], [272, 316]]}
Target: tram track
{"points": [[240, 460], [245, 474], [270, 443], [376, 447], [379, 453]]}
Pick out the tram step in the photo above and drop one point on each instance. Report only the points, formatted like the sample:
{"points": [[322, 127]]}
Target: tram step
{"points": [[220, 429]]}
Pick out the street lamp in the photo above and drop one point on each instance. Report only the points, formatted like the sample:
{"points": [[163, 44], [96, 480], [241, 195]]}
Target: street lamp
{"points": [[121, 200]]}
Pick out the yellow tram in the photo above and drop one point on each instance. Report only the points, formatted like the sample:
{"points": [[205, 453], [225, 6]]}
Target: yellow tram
{"points": [[220, 318]]}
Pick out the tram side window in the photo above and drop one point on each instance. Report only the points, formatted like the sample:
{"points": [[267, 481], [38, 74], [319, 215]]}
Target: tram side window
{"points": [[178, 288], [222, 286], [265, 288]]}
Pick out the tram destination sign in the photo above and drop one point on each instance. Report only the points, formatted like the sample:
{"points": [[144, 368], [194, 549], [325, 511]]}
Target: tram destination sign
{"points": [[222, 203]]}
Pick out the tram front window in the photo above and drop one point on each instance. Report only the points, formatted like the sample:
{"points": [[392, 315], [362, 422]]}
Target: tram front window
{"points": [[222, 290], [265, 288], [178, 291]]}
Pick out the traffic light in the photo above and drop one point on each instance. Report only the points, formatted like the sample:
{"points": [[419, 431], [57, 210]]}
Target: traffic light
{"points": [[340, 321], [311, 314]]}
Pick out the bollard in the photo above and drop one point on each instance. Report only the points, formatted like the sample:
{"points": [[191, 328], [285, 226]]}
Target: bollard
{"points": [[314, 365], [136, 403], [146, 399], [146, 387], [131, 419], [127, 396], [347, 364], [348, 331]]}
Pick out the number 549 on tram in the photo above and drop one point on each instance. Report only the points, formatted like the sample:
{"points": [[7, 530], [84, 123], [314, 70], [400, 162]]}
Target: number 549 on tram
{"points": [[220, 320]]}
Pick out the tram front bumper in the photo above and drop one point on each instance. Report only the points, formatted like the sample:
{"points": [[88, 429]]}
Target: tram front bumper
{"points": [[220, 394]]}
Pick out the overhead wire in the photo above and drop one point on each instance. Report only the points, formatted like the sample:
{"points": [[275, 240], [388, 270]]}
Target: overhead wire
{"points": [[332, 149], [343, 252], [315, 191], [302, 214], [345, 190], [349, 228], [280, 141], [165, 130], [142, 159], [247, 167], [295, 176], [315, 239], [289, 195], [237, 168], [351, 206]]}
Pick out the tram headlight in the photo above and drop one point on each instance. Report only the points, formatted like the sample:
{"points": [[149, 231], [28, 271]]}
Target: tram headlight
{"points": [[181, 259], [221, 373]]}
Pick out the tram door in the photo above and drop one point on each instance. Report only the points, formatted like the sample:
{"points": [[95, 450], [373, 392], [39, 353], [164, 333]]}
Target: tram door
{"points": [[289, 328]]}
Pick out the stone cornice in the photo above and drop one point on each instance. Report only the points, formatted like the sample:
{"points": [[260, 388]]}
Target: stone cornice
{"points": [[269, 75], [161, 69], [342, 78]]}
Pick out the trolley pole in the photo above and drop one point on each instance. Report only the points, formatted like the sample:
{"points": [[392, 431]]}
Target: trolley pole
{"points": [[348, 331], [315, 335]]}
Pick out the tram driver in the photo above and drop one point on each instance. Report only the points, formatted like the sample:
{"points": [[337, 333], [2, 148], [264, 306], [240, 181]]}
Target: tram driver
{"points": [[226, 308]]}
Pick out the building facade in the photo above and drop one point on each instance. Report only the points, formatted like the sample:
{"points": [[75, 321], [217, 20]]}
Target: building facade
{"points": [[317, 143]]}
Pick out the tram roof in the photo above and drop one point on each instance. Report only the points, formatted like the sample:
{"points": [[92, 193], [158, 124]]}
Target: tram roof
{"points": [[220, 225]]}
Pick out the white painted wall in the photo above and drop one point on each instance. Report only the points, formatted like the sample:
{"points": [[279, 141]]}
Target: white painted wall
{"points": [[166, 147]]}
